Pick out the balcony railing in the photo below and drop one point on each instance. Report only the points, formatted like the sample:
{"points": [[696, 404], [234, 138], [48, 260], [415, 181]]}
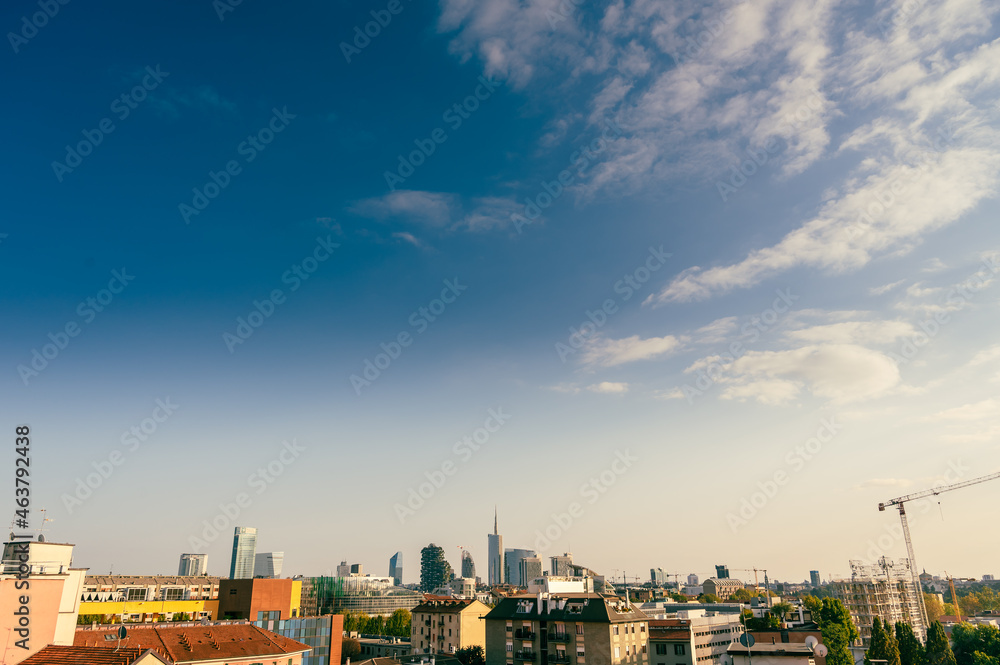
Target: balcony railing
{"points": [[558, 658], [559, 637], [523, 634], [529, 656]]}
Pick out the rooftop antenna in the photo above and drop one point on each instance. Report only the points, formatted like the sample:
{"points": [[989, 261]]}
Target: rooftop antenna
{"points": [[41, 527]]}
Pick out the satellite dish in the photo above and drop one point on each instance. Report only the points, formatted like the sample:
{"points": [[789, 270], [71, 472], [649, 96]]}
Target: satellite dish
{"points": [[747, 640], [204, 621], [811, 642], [122, 632], [821, 650]]}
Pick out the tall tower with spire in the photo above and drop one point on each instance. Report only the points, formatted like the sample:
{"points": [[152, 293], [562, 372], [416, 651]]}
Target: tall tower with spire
{"points": [[495, 542]]}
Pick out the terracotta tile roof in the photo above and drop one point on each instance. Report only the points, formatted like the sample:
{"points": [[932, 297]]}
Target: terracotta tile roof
{"points": [[190, 644], [80, 655]]}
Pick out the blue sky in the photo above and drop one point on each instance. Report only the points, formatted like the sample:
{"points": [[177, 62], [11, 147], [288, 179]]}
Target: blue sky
{"points": [[779, 214]]}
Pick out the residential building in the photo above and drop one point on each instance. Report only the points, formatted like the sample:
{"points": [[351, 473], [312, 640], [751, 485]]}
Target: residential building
{"points": [[814, 578], [380, 647], [798, 634], [463, 587], [512, 561], [233, 644], [657, 576], [721, 587], [531, 567], [885, 590], [495, 564], [435, 571], [323, 636], [396, 568], [722, 572], [260, 598], [44, 569], [244, 549], [567, 628], [693, 579], [445, 626], [368, 595], [192, 565], [562, 565], [693, 637], [148, 598], [771, 654], [70, 655], [268, 564], [468, 566]]}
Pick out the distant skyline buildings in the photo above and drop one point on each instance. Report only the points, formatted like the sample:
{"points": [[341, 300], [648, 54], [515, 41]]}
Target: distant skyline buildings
{"points": [[268, 564], [468, 565], [562, 564], [721, 572], [435, 571], [495, 562], [657, 576], [193, 565], [244, 551], [396, 568], [693, 579], [512, 563], [814, 578]]}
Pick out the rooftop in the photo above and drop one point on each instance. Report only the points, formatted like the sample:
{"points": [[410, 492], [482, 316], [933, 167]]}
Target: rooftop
{"points": [[64, 655], [193, 644]]}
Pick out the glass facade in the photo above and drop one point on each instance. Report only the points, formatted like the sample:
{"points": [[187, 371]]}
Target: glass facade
{"points": [[244, 549], [312, 631]]}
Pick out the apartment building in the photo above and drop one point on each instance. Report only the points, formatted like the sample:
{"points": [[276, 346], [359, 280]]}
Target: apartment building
{"points": [[721, 587], [445, 626], [694, 637], [566, 629], [885, 590]]}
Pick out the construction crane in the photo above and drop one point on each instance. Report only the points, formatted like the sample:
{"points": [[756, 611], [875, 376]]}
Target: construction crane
{"points": [[900, 503], [756, 581], [954, 596]]}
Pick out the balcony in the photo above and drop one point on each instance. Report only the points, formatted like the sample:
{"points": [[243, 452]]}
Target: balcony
{"points": [[523, 634], [558, 658], [559, 637], [526, 655]]}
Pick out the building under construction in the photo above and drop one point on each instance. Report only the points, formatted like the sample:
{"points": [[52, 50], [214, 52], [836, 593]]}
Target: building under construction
{"points": [[885, 590]]}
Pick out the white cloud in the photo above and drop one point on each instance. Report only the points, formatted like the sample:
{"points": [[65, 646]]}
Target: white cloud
{"points": [[985, 409], [716, 331], [609, 387], [430, 208], [885, 288], [854, 332], [611, 352]]}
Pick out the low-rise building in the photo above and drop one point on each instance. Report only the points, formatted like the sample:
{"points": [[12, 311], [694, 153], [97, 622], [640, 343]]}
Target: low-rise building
{"points": [[445, 626], [694, 637], [148, 598], [771, 654], [721, 587], [70, 655], [259, 599], [373, 647], [564, 629]]}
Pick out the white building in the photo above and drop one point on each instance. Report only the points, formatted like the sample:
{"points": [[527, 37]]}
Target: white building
{"points": [[556, 585], [268, 564], [193, 565]]}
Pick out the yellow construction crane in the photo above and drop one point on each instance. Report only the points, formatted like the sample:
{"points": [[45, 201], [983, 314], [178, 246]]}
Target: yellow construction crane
{"points": [[756, 582], [900, 503]]}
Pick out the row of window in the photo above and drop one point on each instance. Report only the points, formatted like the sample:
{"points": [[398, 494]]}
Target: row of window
{"points": [[614, 628], [679, 650]]}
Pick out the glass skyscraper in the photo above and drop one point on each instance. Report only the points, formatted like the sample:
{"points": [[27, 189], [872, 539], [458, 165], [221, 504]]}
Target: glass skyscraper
{"points": [[244, 550]]}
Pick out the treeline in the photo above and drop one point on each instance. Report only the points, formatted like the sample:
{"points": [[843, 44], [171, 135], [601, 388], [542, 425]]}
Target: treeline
{"points": [[396, 625]]}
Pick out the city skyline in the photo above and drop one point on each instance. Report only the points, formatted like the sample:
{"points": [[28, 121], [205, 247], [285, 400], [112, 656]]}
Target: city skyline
{"points": [[566, 259]]}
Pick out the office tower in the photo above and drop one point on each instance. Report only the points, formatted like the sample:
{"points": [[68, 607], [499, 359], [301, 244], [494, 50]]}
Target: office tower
{"points": [[468, 565], [495, 565], [692, 580], [343, 570], [657, 576], [722, 572], [530, 567], [357, 569], [562, 566], [244, 549], [396, 568], [512, 562], [193, 564], [435, 571], [814, 577], [268, 564]]}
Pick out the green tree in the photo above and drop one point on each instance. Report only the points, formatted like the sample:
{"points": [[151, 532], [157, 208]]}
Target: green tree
{"points": [[181, 616], [911, 651], [838, 631], [740, 596], [814, 605], [708, 598], [938, 650], [969, 640], [349, 648], [398, 624], [935, 609], [472, 655], [980, 658], [782, 610], [882, 645], [679, 597]]}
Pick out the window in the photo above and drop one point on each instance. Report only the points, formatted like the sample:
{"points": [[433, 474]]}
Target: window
{"points": [[618, 652], [614, 630], [579, 653], [135, 593], [627, 650], [679, 650], [642, 628], [661, 650], [510, 647], [579, 629]]}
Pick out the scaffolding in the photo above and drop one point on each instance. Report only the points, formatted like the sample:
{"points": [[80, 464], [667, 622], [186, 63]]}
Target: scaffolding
{"points": [[884, 590]]}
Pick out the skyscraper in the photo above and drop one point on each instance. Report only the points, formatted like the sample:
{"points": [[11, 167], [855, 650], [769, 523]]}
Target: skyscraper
{"points": [[244, 549], [495, 564], [512, 561], [657, 576], [722, 572], [693, 579], [357, 569], [396, 568], [435, 571], [562, 566], [193, 564], [814, 577], [343, 570], [530, 568], [468, 565], [268, 564]]}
